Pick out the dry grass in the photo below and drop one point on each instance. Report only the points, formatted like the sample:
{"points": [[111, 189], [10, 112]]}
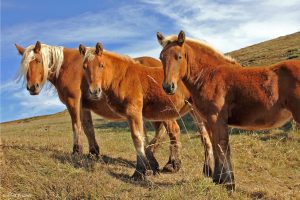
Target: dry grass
{"points": [[37, 165], [272, 51]]}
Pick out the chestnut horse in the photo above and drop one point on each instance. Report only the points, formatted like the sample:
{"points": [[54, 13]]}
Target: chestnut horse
{"points": [[133, 91], [63, 68], [226, 94]]}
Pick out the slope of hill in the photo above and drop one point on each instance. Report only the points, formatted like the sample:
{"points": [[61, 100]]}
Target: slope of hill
{"points": [[271, 51], [36, 163]]}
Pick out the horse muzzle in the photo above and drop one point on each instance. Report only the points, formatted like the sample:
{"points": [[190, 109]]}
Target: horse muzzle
{"points": [[34, 89], [95, 93], [169, 88]]}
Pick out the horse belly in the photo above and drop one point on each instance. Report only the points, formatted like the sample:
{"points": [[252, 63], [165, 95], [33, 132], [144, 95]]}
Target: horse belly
{"points": [[158, 112], [101, 108], [262, 120]]}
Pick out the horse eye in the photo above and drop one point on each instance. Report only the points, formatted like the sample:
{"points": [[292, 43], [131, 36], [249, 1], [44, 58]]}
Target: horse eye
{"points": [[179, 56], [38, 61], [101, 66]]}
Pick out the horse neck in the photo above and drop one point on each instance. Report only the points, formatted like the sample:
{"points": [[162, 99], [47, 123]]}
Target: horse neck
{"points": [[117, 70], [201, 62], [54, 71]]}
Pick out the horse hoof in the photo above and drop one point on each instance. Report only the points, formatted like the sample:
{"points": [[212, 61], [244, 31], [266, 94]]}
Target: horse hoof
{"points": [[207, 172], [94, 153], [138, 176], [172, 166], [230, 187], [141, 176], [154, 168], [94, 157], [77, 149]]}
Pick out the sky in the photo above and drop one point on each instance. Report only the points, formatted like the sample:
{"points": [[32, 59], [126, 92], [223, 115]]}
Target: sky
{"points": [[127, 27]]}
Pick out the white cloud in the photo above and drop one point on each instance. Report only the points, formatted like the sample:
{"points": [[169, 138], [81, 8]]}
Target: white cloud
{"points": [[24, 105], [115, 25], [233, 24]]}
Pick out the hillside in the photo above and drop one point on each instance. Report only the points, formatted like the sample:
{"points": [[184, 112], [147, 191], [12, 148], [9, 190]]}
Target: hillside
{"points": [[268, 52], [36, 163]]}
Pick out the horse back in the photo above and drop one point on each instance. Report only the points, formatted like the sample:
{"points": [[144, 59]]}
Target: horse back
{"points": [[148, 61]]}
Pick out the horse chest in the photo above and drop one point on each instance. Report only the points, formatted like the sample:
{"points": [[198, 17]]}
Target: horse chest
{"points": [[117, 104]]}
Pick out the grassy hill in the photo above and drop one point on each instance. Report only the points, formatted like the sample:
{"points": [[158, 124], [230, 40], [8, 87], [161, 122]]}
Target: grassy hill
{"points": [[271, 51], [36, 162]]}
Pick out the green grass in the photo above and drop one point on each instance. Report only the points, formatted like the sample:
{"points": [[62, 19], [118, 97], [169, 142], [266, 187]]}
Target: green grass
{"points": [[37, 164]]}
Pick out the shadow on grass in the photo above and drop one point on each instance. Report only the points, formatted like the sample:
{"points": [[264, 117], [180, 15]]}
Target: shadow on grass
{"points": [[88, 162], [142, 183], [254, 194], [282, 136], [78, 161], [118, 161]]}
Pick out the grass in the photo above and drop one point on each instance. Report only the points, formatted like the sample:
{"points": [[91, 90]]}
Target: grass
{"points": [[271, 51], [37, 164]]}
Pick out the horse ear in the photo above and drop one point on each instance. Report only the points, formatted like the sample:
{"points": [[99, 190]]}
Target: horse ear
{"points": [[160, 38], [20, 49], [181, 38], [37, 47], [99, 48], [82, 49]]}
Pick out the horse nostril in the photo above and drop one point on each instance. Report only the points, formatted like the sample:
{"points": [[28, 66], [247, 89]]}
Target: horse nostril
{"points": [[27, 87], [172, 86], [99, 90], [37, 85]]}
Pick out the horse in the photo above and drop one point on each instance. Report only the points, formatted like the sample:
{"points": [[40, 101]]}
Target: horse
{"points": [[62, 67], [226, 94], [133, 91]]}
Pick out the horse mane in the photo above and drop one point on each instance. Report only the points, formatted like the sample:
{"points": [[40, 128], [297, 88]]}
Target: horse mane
{"points": [[52, 58], [90, 55], [196, 42]]}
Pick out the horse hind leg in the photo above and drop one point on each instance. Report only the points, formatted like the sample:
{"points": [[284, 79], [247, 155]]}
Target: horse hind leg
{"points": [[174, 163], [160, 132], [294, 104]]}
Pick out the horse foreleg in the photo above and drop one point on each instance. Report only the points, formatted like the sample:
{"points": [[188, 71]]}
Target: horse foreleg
{"points": [[160, 131], [73, 105], [174, 163], [143, 167], [88, 128], [209, 162], [223, 173]]}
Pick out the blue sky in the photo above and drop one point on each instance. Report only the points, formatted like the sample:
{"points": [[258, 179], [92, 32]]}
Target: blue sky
{"points": [[128, 27]]}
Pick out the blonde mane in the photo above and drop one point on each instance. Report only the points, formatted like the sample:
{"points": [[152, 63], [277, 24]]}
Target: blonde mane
{"points": [[90, 55], [52, 58], [173, 38]]}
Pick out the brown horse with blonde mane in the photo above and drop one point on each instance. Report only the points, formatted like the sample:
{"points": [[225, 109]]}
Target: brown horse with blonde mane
{"points": [[134, 91], [62, 67], [226, 94]]}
